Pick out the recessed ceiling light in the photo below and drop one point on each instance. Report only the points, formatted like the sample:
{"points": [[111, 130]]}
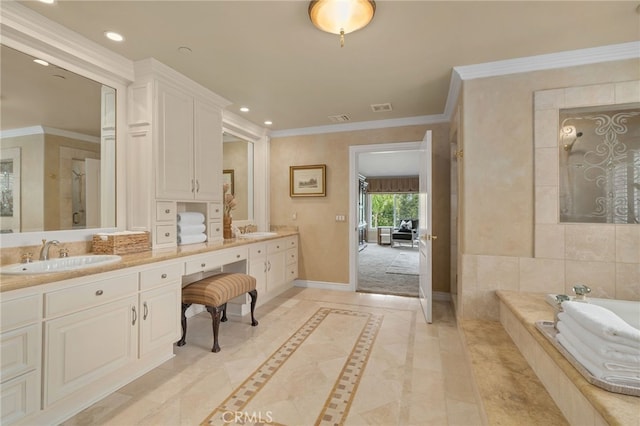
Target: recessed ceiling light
{"points": [[113, 36], [244, 109], [268, 123], [47, 1], [41, 62], [184, 49]]}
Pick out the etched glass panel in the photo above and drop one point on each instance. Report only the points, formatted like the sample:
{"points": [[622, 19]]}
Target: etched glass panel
{"points": [[6, 188], [600, 164]]}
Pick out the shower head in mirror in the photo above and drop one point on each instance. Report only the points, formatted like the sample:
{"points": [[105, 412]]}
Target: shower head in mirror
{"points": [[569, 135]]}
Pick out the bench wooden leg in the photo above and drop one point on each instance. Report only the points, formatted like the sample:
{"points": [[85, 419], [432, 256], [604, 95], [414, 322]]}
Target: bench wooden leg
{"points": [[215, 323], [224, 313], [254, 299], [183, 340]]}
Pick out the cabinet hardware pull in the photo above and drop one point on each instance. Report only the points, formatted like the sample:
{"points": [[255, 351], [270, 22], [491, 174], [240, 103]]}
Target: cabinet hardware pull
{"points": [[99, 293], [146, 311], [192, 186], [217, 229], [166, 234], [167, 211], [197, 185], [237, 256], [265, 266], [135, 315], [259, 251], [217, 210], [163, 276], [269, 263], [202, 265]]}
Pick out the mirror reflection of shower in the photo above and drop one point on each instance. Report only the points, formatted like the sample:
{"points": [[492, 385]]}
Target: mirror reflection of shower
{"points": [[78, 199], [600, 164]]}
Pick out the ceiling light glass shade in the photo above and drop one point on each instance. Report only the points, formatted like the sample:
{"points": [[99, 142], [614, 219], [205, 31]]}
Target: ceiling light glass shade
{"points": [[341, 16]]}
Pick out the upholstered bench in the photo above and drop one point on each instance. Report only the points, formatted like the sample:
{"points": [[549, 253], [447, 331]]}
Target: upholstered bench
{"points": [[214, 292]]}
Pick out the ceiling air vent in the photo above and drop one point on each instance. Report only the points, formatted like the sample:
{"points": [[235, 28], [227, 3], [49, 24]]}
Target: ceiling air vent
{"points": [[381, 107], [340, 118]]}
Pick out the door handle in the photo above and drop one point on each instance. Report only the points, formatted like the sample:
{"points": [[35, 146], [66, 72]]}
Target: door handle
{"points": [[432, 237]]}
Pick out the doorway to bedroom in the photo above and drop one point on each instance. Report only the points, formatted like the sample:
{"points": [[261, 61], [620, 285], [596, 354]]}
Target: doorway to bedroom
{"points": [[388, 208]]}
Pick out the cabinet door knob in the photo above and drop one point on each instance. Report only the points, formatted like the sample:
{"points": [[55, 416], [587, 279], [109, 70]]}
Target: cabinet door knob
{"points": [[202, 265], [237, 256], [163, 276], [167, 211], [166, 234], [99, 293]]}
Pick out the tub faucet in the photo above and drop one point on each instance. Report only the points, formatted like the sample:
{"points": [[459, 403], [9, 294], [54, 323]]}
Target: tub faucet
{"points": [[44, 252], [581, 291]]}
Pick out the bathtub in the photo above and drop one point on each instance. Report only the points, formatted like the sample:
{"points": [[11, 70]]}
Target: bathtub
{"points": [[628, 311]]}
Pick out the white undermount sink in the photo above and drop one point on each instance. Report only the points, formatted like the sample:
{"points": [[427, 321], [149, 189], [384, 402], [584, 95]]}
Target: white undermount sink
{"points": [[258, 234], [62, 264]]}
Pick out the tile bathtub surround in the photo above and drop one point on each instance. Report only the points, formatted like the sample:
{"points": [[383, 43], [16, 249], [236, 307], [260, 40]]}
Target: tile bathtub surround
{"points": [[376, 351], [580, 401]]}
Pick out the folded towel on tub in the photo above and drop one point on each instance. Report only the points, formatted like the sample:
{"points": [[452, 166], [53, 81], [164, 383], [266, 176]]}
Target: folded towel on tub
{"points": [[192, 239], [618, 378], [606, 364], [605, 348], [190, 218], [191, 229], [602, 322]]}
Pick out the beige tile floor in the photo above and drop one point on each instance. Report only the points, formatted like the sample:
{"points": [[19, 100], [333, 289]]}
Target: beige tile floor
{"points": [[388, 366]]}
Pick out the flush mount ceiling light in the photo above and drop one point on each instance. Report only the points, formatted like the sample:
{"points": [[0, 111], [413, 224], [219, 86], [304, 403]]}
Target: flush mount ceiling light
{"points": [[341, 16], [112, 35]]}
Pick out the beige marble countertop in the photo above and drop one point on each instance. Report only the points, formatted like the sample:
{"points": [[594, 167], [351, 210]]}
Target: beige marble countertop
{"points": [[15, 282], [616, 409]]}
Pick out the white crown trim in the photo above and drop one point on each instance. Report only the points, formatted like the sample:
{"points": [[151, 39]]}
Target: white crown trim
{"points": [[569, 58], [361, 125], [43, 130]]}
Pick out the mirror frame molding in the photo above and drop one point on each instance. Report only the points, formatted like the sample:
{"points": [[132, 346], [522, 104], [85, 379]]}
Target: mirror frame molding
{"points": [[257, 135], [29, 32]]}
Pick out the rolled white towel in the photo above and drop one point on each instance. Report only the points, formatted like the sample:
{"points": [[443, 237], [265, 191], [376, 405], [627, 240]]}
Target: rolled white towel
{"points": [[191, 229], [192, 239], [602, 322], [615, 378], [609, 350], [603, 363], [190, 218]]}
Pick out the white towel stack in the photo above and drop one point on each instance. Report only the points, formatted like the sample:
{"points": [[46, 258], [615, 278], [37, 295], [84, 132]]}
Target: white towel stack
{"points": [[601, 341], [191, 228]]}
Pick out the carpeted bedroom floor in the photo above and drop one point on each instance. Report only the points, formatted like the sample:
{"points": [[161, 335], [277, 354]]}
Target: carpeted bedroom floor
{"points": [[388, 270]]}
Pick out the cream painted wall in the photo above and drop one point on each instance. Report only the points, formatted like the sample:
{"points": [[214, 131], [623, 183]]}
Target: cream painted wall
{"points": [[324, 243], [497, 197]]}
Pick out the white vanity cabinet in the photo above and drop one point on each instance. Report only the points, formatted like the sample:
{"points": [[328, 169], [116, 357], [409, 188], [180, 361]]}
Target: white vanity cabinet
{"points": [[175, 129], [20, 356], [274, 265]]}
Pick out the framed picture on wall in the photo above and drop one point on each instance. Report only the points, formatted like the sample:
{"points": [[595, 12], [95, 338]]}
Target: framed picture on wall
{"points": [[227, 178], [307, 181]]}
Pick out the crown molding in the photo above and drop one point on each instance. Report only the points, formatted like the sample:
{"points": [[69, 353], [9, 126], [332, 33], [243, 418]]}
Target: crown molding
{"points": [[32, 33], [361, 125], [569, 58], [44, 130]]}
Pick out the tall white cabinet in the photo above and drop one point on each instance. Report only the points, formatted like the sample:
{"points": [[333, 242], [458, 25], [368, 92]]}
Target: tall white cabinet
{"points": [[175, 144]]}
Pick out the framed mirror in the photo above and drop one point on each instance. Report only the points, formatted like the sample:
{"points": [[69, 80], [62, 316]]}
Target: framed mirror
{"points": [[238, 165], [57, 147]]}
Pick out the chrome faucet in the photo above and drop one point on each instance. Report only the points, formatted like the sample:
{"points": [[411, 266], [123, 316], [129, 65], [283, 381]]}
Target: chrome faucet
{"points": [[44, 252], [581, 291]]}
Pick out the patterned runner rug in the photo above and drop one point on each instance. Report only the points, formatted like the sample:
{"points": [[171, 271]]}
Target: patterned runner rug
{"points": [[331, 349]]}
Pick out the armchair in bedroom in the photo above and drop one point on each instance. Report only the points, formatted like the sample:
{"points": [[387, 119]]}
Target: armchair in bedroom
{"points": [[407, 232]]}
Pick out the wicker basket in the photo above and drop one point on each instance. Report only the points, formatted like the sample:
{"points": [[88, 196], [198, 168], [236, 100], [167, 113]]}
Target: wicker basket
{"points": [[121, 243]]}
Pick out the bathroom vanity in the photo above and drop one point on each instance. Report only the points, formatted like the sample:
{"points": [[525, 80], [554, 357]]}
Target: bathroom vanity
{"points": [[69, 339]]}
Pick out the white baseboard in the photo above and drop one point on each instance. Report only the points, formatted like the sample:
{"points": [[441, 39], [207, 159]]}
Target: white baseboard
{"points": [[322, 285]]}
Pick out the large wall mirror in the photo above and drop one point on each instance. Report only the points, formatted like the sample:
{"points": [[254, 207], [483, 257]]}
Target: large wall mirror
{"points": [[57, 148], [600, 164], [238, 169]]}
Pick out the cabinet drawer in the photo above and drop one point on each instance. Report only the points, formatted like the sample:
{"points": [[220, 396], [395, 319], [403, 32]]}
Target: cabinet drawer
{"points": [[215, 260], [257, 251], [166, 234], [292, 272], [18, 312], [87, 295], [291, 256], [20, 351], [215, 211], [276, 246], [291, 242], [214, 231], [160, 276], [166, 211], [20, 397]]}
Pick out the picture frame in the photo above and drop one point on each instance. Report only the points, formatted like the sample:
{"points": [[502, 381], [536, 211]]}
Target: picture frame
{"points": [[227, 177], [308, 181]]}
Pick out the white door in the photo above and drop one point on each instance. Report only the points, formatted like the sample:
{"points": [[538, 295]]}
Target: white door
{"points": [[426, 230], [92, 195]]}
